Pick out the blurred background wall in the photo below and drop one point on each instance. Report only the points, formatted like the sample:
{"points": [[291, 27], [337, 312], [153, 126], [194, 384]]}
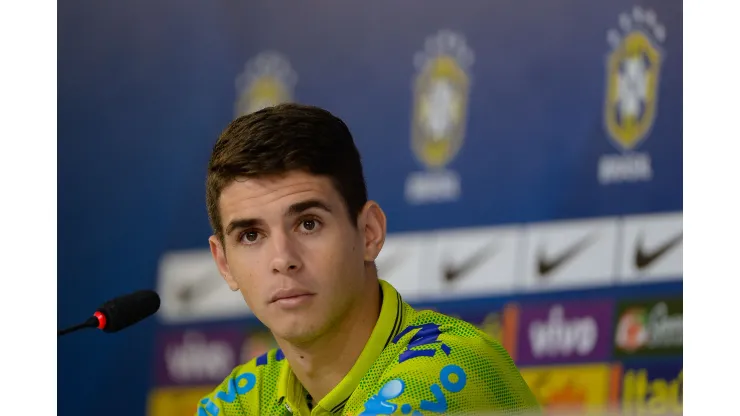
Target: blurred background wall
{"points": [[528, 155]]}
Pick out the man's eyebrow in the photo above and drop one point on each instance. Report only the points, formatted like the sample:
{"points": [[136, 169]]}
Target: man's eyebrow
{"points": [[240, 223], [299, 207], [292, 211]]}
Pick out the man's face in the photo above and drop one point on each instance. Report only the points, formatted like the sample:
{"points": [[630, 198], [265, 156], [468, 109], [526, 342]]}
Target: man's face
{"points": [[291, 250]]}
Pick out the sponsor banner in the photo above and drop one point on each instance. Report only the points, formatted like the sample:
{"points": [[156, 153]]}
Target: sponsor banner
{"points": [[192, 290], [574, 389], [652, 388], [570, 254], [565, 332], [176, 401], [649, 328], [473, 262], [197, 357], [652, 248], [403, 260]]}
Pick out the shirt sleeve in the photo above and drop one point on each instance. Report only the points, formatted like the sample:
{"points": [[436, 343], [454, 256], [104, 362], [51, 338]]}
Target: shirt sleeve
{"points": [[442, 371]]}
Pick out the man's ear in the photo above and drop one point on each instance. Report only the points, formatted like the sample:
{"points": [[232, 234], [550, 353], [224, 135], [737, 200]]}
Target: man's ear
{"points": [[373, 223], [219, 256]]}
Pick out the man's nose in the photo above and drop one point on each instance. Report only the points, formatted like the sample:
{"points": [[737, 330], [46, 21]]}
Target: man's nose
{"points": [[285, 259]]}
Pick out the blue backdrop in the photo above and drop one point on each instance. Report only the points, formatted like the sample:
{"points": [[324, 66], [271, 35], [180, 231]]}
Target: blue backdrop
{"points": [[146, 87]]}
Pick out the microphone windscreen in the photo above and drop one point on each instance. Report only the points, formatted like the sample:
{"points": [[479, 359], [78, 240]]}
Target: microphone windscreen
{"points": [[127, 310]]}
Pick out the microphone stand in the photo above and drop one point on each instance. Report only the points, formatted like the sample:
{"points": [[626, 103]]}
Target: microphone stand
{"points": [[90, 323]]}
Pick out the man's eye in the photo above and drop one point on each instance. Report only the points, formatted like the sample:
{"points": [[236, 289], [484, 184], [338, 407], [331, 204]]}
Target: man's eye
{"points": [[250, 237], [310, 225]]}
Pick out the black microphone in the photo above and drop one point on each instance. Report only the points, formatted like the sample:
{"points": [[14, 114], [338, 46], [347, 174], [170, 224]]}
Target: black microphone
{"points": [[120, 313]]}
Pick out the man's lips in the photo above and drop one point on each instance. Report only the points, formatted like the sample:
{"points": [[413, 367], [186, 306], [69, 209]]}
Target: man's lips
{"points": [[288, 294]]}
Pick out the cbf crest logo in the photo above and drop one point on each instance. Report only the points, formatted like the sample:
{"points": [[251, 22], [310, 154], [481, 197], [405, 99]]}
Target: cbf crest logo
{"points": [[441, 94], [633, 73], [633, 68], [268, 79]]}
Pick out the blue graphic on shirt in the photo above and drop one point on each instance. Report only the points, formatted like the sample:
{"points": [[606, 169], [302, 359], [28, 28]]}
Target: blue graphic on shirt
{"points": [[240, 385], [452, 378], [427, 334], [264, 358], [379, 405], [209, 408]]}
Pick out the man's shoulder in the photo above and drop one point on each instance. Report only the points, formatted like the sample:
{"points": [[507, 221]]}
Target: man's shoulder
{"points": [[441, 338], [427, 327], [444, 364], [248, 387]]}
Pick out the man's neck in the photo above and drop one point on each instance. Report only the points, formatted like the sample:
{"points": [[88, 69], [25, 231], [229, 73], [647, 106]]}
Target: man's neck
{"points": [[322, 365]]}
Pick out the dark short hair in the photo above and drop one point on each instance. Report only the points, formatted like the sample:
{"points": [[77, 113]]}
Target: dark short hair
{"points": [[283, 138]]}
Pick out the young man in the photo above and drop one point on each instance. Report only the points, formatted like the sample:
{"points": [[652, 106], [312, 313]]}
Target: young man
{"points": [[295, 233]]}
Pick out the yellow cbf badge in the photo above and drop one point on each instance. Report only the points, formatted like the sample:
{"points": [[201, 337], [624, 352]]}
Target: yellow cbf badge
{"points": [[441, 93], [632, 78], [268, 80]]}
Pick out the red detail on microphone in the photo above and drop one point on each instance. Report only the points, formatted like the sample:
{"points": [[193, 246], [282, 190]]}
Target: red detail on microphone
{"points": [[101, 319]]}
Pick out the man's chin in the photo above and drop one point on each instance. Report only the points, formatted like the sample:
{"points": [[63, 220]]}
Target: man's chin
{"points": [[299, 339], [296, 333]]}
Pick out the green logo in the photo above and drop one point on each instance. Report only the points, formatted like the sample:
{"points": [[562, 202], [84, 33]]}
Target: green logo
{"points": [[649, 328]]}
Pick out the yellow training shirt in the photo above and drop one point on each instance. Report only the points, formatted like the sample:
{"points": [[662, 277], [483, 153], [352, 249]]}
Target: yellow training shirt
{"points": [[415, 363]]}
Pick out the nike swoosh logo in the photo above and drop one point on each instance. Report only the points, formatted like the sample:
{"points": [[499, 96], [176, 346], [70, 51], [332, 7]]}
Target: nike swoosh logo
{"points": [[452, 272], [188, 293], [644, 258], [546, 265]]}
